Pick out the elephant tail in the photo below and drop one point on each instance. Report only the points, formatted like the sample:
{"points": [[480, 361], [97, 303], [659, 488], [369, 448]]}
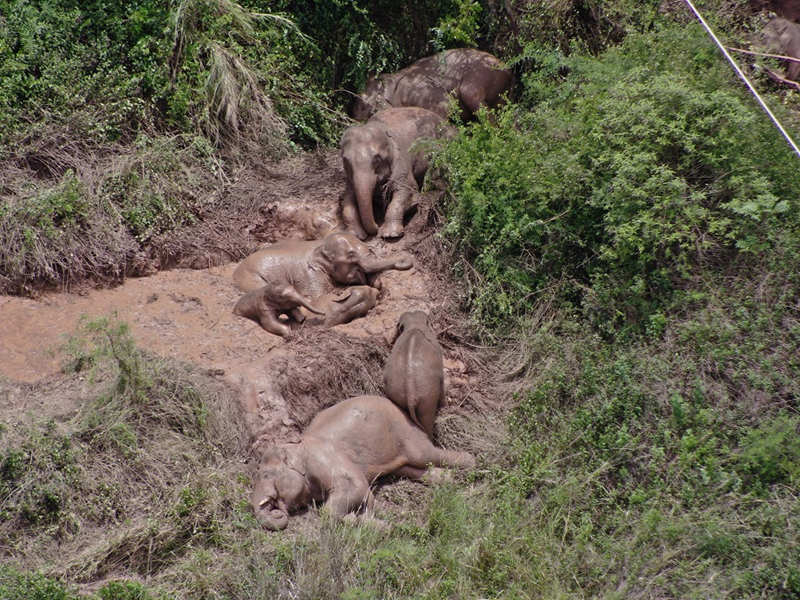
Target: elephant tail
{"points": [[412, 397]]}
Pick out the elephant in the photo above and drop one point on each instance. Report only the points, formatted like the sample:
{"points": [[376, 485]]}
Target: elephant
{"points": [[474, 77], [288, 275], [788, 9], [783, 36], [414, 374], [378, 163], [344, 449], [266, 304]]}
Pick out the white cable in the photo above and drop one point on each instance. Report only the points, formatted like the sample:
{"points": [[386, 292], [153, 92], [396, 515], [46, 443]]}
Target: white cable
{"points": [[744, 78]]}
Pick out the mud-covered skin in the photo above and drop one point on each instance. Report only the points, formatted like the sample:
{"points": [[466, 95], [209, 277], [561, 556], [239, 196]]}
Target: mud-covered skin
{"points": [[474, 77], [414, 374], [343, 450], [266, 304], [283, 277], [783, 37], [378, 164]]}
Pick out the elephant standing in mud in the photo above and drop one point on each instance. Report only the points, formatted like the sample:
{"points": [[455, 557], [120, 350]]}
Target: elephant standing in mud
{"points": [[474, 77], [414, 374], [381, 169], [342, 452], [288, 276]]}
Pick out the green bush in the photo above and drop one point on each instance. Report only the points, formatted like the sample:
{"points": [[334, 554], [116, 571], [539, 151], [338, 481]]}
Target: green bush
{"points": [[771, 453], [620, 184], [24, 586]]}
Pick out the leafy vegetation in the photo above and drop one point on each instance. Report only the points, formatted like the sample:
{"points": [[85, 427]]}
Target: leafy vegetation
{"points": [[625, 231], [153, 458], [618, 182]]}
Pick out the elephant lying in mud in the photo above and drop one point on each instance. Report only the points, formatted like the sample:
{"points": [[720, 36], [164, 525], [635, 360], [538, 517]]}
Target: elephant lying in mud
{"points": [[343, 450], [265, 305], [285, 277], [783, 37], [475, 78], [414, 374], [379, 165]]}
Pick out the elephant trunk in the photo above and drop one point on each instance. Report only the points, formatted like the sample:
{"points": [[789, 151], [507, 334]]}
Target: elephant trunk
{"points": [[401, 261], [364, 187], [274, 519]]}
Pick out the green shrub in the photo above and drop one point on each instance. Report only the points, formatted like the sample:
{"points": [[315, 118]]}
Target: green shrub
{"points": [[123, 590], [622, 183], [15, 585], [771, 453]]}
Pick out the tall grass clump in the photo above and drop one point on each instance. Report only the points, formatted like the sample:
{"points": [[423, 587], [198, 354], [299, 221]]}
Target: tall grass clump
{"points": [[152, 460], [96, 217]]}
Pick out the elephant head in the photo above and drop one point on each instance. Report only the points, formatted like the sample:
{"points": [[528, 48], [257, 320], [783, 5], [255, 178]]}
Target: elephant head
{"points": [[413, 319], [370, 100], [350, 261], [368, 155], [281, 486]]}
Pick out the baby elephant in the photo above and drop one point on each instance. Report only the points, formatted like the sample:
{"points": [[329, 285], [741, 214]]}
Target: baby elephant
{"points": [[267, 303], [342, 452], [414, 376], [384, 171]]}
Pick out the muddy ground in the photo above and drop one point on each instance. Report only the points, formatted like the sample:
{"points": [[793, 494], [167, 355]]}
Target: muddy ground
{"points": [[185, 314]]}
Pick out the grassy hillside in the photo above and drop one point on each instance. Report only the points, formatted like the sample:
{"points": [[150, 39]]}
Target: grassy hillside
{"points": [[625, 236]]}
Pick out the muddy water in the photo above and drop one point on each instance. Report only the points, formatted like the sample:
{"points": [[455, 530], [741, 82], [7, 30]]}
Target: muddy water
{"points": [[182, 314]]}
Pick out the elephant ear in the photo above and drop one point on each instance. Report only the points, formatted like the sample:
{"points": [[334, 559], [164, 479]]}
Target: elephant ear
{"points": [[294, 457]]}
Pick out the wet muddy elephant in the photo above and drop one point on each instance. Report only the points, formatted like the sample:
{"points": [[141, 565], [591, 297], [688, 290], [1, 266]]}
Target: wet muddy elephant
{"points": [[474, 77], [783, 37], [288, 276], [381, 170], [343, 450], [414, 374]]}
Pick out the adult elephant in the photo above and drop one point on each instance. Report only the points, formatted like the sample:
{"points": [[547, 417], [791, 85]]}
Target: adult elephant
{"points": [[474, 77], [288, 275], [380, 168], [342, 452]]}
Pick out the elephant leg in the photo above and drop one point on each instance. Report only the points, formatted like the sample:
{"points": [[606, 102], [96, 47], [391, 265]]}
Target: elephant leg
{"points": [[403, 198], [254, 306], [414, 473], [269, 321], [421, 452], [290, 296], [427, 417], [350, 493], [350, 216], [297, 314], [431, 475]]}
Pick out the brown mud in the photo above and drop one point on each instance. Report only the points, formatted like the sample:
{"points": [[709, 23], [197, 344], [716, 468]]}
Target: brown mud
{"points": [[186, 315]]}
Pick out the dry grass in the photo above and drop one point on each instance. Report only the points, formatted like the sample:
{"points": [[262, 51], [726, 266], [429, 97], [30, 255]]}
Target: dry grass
{"points": [[73, 214], [151, 462], [325, 368]]}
